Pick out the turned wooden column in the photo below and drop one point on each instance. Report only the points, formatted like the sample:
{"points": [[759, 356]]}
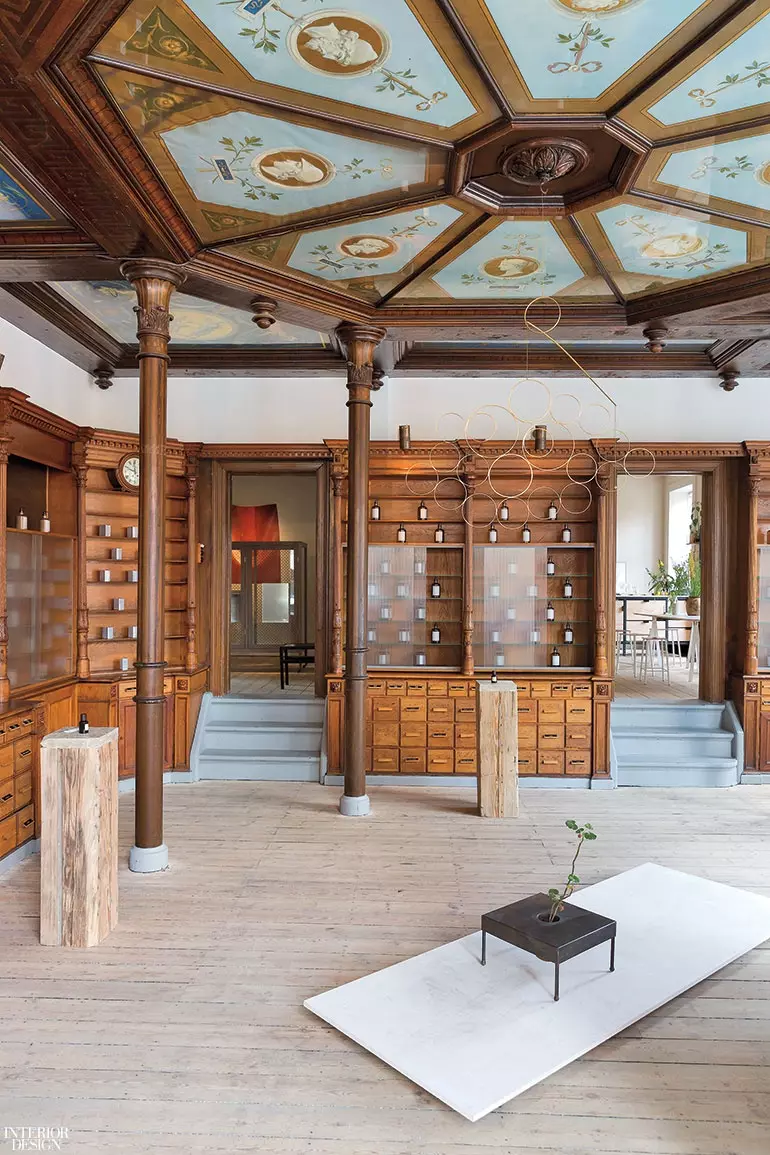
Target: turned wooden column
{"points": [[361, 341], [468, 664], [191, 477], [5, 440], [604, 553], [154, 282], [338, 479], [80, 469], [751, 658]]}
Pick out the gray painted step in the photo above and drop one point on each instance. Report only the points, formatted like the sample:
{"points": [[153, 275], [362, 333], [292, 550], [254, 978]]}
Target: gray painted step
{"points": [[677, 743], [286, 710], [258, 736], [713, 772], [664, 715], [260, 739], [267, 765], [673, 744]]}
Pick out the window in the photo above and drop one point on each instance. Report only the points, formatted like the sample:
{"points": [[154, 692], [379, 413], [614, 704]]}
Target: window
{"points": [[679, 512]]}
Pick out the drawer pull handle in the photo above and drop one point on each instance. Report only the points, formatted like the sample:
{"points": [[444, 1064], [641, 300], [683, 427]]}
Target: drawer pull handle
{"points": [[550, 735], [14, 726], [26, 722], [6, 798], [25, 753], [28, 822]]}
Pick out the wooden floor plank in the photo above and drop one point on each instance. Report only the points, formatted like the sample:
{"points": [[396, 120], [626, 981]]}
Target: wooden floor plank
{"points": [[185, 1032]]}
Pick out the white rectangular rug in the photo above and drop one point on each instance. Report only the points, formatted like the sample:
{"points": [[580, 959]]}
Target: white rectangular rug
{"points": [[476, 1036]]}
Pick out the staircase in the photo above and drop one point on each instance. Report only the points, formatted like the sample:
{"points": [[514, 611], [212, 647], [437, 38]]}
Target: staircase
{"points": [[259, 739], [673, 744]]}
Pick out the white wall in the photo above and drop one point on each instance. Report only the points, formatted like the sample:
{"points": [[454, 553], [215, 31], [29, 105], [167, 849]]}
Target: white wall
{"points": [[295, 496], [641, 528], [310, 409]]}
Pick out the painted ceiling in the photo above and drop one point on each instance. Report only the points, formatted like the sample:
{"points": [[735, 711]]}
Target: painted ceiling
{"points": [[195, 321], [363, 150]]}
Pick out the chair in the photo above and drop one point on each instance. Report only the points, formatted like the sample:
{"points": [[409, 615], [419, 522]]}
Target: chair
{"points": [[654, 647], [693, 652]]}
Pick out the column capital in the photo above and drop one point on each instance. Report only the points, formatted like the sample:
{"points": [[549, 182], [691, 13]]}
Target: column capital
{"points": [[360, 341], [149, 269], [154, 282]]}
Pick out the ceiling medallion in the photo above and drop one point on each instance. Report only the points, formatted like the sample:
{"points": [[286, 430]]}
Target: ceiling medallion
{"points": [[544, 160]]}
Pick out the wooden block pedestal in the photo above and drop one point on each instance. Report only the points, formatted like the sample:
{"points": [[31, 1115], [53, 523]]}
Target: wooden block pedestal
{"points": [[79, 837], [497, 732]]}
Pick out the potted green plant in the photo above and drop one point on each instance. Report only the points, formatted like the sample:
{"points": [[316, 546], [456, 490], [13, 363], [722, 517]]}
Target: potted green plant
{"points": [[692, 605], [558, 897], [672, 586]]}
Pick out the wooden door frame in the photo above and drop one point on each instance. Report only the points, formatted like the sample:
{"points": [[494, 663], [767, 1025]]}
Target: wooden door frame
{"points": [[718, 540], [222, 473]]}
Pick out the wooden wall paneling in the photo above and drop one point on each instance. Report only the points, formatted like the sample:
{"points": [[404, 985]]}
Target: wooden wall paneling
{"points": [[337, 475], [5, 441], [191, 478], [321, 580], [220, 578], [203, 582], [80, 470], [604, 570], [467, 613], [713, 633], [750, 659], [600, 753]]}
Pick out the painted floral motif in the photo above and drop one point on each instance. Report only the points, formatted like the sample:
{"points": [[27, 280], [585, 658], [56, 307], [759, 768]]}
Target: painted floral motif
{"points": [[514, 263], [578, 43], [756, 72], [283, 168], [665, 249], [155, 105], [363, 251], [332, 42], [729, 171], [159, 36]]}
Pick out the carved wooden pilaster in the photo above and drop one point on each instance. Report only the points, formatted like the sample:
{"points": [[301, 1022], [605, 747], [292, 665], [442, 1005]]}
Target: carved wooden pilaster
{"points": [[751, 656], [468, 664], [338, 472], [191, 616], [605, 534], [154, 282], [80, 469], [361, 342], [5, 440]]}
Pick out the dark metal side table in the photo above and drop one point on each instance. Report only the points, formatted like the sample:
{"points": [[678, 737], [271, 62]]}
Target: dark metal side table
{"points": [[576, 931]]}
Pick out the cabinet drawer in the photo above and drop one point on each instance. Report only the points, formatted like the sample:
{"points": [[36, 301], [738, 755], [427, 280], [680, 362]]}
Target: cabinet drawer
{"points": [[540, 690], [465, 712], [465, 762], [528, 736], [527, 710], [22, 754], [550, 737], [465, 735], [7, 836], [578, 735], [385, 710], [376, 687], [549, 710], [25, 824], [413, 761], [437, 688], [443, 711], [440, 735], [385, 734], [581, 689], [457, 689], [527, 763], [550, 762], [7, 798], [126, 690], [6, 762], [395, 689], [560, 689], [384, 759], [414, 734], [523, 689], [414, 709], [578, 762], [22, 790], [579, 712], [441, 761], [416, 689]]}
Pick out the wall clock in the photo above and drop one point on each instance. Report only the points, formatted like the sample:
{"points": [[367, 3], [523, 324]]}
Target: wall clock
{"points": [[126, 476]]}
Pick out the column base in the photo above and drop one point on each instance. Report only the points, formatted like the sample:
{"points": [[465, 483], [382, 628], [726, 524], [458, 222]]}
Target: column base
{"points": [[355, 807], [148, 859]]}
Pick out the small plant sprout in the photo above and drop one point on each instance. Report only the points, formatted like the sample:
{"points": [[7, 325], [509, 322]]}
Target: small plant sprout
{"points": [[583, 834]]}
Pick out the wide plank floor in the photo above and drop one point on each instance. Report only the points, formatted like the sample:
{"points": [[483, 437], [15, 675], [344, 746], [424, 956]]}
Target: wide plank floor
{"points": [[184, 1032]]}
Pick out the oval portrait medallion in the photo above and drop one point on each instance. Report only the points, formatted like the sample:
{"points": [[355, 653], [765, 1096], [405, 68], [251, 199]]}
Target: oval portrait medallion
{"points": [[338, 43], [762, 172], [600, 7], [197, 325], [671, 247], [509, 268], [368, 247], [293, 168]]}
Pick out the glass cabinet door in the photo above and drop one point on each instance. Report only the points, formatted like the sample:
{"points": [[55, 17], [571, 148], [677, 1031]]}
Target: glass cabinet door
{"points": [[415, 606], [509, 607], [763, 616]]}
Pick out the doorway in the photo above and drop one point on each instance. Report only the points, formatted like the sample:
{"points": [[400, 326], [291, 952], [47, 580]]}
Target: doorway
{"points": [[658, 606], [273, 608]]}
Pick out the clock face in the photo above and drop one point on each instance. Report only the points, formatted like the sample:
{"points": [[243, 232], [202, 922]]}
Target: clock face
{"points": [[129, 471]]}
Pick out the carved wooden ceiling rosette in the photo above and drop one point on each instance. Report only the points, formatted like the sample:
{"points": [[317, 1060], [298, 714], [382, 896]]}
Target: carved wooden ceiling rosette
{"points": [[422, 164]]}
